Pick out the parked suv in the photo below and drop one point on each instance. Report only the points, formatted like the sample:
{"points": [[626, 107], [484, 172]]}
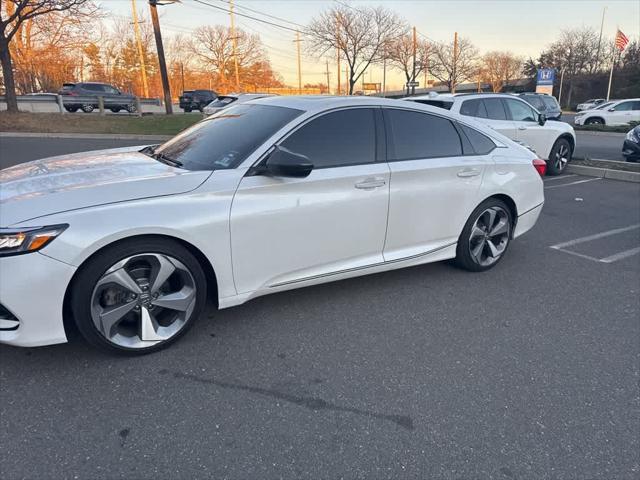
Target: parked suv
{"points": [[621, 112], [196, 99], [508, 114], [126, 101], [544, 103]]}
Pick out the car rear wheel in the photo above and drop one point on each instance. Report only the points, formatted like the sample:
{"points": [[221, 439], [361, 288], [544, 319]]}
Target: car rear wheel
{"points": [[559, 157], [138, 296], [594, 121], [485, 237], [115, 109], [87, 108], [131, 108], [71, 109]]}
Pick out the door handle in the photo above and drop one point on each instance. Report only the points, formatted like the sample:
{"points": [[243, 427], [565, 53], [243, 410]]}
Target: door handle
{"points": [[370, 183], [522, 128], [468, 172]]}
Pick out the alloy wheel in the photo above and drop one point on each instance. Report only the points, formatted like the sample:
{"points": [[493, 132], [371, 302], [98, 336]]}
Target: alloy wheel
{"points": [[490, 236], [143, 300], [561, 157]]}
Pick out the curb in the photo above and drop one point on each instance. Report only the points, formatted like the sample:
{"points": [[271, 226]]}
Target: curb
{"points": [[605, 173], [105, 136], [602, 134]]}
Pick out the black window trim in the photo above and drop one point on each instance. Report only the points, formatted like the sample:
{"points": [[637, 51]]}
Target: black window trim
{"points": [[461, 132], [389, 137], [380, 148]]}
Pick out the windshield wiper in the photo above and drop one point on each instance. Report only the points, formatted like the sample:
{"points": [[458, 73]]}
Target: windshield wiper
{"points": [[161, 157]]}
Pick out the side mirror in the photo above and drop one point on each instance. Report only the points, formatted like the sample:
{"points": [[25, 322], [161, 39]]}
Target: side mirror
{"points": [[542, 119], [285, 163], [611, 110]]}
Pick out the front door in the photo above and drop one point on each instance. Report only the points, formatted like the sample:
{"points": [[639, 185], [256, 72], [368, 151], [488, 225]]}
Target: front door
{"points": [[288, 230], [528, 130]]}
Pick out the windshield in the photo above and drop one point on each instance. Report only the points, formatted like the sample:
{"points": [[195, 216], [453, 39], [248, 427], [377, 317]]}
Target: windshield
{"points": [[550, 103], [224, 140], [603, 105]]}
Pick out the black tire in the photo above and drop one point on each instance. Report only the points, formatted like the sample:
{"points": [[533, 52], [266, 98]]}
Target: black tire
{"points": [[87, 108], [559, 157], [71, 109], [464, 258], [187, 109], [201, 108], [594, 121], [92, 271], [131, 108], [115, 109]]}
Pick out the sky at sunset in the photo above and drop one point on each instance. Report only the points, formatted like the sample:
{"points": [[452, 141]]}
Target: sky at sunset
{"points": [[524, 27]]}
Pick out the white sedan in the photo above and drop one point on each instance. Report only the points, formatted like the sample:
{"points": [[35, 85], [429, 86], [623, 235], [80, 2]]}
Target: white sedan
{"points": [[266, 196]]}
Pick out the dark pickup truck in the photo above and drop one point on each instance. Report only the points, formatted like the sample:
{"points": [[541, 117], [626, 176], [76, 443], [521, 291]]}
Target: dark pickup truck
{"points": [[196, 99]]}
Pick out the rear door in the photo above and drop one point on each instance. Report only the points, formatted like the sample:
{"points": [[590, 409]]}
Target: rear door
{"points": [[434, 183], [288, 230]]}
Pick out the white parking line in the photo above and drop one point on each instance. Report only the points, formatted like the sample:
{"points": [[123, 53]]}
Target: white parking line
{"points": [[573, 183], [559, 178], [620, 256], [595, 236]]}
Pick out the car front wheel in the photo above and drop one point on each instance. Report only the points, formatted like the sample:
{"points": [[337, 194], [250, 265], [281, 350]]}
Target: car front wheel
{"points": [[138, 296], [87, 108], [594, 121], [559, 157], [131, 108], [485, 237]]}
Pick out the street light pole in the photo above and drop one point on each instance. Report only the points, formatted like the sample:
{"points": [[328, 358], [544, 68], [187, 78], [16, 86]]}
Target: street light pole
{"points": [[163, 64]]}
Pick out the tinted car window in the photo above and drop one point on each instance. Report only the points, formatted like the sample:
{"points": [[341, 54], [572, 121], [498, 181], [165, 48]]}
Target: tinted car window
{"points": [[93, 87], [222, 102], [481, 143], [420, 135], [495, 110], [520, 111], [435, 103], [551, 103], [225, 139], [535, 100], [636, 105], [624, 106], [345, 137], [474, 108]]}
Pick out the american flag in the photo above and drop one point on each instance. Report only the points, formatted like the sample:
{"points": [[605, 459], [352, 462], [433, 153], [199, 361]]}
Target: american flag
{"points": [[621, 40]]}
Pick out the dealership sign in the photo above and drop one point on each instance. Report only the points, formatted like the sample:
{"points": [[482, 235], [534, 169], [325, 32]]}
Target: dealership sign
{"points": [[544, 80]]}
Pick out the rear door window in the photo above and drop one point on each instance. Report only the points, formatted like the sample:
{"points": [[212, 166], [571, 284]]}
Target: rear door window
{"points": [[474, 108], [481, 143], [416, 135], [495, 109]]}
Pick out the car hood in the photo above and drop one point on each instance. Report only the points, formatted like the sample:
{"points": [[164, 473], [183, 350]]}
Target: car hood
{"points": [[69, 182]]}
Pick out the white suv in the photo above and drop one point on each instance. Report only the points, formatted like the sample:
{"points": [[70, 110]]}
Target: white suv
{"points": [[552, 141], [620, 112]]}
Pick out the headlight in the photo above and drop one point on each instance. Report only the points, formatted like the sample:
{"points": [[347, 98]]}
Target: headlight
{"points": [[633, 136], [24, 240]]}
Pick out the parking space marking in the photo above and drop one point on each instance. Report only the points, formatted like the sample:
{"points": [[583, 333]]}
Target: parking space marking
{"points": [[595, 236], [560, 177], [573, 183], [561, 247], [620, 256]]}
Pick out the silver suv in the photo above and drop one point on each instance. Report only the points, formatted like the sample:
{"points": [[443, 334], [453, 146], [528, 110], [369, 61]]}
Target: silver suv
{"points": [[508, 114]]}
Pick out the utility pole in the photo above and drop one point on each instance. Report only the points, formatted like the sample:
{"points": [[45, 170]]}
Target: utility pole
{"points": [[600, 39], [182, 74], [297, 40], [234, 39], [413, 75], [143, 68], [163, 64], [455, 62], [384, 74], [328, 87], [338, 50]]}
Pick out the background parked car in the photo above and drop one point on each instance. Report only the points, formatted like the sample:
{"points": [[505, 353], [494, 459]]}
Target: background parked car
{"points": [[196, 99], [224, 101], [621, 112], [97, 89], [544, 103], [631, 145], [589, 104], [510, 115]]}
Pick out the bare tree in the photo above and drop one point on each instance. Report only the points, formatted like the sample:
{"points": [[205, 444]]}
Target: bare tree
{"points": [[13, 13], [454, 69], [358, 33], [400, 54], [499, 68], [213, 47]]}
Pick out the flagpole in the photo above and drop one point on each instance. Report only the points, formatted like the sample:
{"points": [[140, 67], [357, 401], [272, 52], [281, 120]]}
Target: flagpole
{"points": [[611, 73]]}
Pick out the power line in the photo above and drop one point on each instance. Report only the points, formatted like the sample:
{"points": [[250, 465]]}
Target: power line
{"points": [[267, 15], [246, 16]]}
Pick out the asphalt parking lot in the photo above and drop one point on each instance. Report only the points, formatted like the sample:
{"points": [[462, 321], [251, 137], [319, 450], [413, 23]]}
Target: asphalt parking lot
{"points": [[528, 371]]}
